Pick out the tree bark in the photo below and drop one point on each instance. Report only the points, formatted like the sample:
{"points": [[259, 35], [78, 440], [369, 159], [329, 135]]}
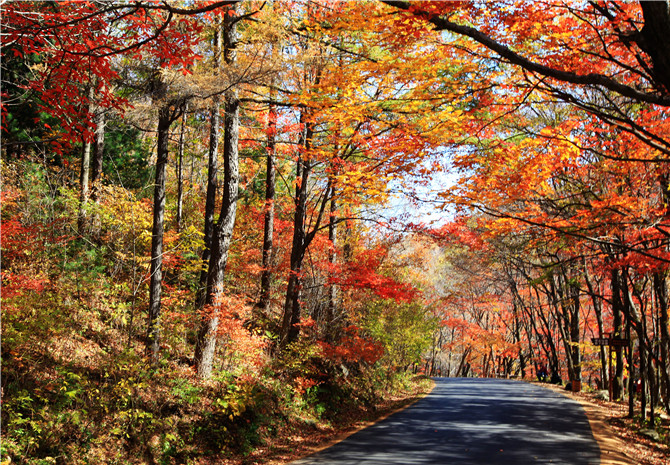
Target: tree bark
{"points": [[98, 153], [617, 310], [165, 119], [598, 310], [269, 213], [576, 353], [223, 229], [212, 175], [84, 173], [179, 172], [628, 311], [291, 317], [333, 294], [660, 284], [661, 291], [290, 328], [84, 192]]}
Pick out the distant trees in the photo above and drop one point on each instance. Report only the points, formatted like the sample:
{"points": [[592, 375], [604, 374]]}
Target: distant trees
{"points": [[565, 180]]}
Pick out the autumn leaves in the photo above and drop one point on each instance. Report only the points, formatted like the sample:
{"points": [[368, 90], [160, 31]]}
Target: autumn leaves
{"points": [[554, 115]]}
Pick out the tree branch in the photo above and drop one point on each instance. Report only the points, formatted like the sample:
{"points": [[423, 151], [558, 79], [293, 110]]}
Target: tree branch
{"points": [[443, 24]]}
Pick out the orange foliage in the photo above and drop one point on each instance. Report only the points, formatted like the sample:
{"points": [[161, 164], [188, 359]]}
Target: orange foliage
{"points": [[352, 347]]}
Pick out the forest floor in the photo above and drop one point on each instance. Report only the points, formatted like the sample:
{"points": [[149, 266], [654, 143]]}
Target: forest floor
{"points": [[619, 437]]}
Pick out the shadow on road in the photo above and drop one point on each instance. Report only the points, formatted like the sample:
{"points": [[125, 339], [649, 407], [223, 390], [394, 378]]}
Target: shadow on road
{"points": [[478, 422]]}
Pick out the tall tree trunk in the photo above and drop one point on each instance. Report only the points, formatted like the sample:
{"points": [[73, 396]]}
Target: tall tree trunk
{"points": [[179, 172], [165, 118], [638, 322], [223, 229], [551, 344], [84, 173], [290, 328], [84, 191], [517, 339], [96, 166], [333, 294], [212, 175], [269, 214], [576, 353], [598, 310], [462, 371], [291, 317], [627, 311], [661, 291], [617, 330], [558, 303]]}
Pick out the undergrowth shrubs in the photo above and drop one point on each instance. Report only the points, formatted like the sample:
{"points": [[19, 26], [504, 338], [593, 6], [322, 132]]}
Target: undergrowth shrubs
{"points": [[77, 386]]}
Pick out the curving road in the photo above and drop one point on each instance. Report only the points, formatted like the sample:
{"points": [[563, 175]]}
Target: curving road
{"points": [[468, 421]]}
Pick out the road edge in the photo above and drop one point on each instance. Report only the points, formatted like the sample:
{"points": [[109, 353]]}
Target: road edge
{"points": [[610, 447], [361, 426]]}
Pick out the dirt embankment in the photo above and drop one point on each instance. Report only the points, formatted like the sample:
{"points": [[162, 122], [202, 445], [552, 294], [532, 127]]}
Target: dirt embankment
{"points": [[618, 436]]}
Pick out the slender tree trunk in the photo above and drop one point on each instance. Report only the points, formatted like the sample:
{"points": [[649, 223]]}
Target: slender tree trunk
{"points": [[598, 310], [290, 328], [563, 318], [661, 291], [628, 313], [333, 294], [638, 324], [212, 176], [84, 173], [223, 229], [179, 172], [96, 167], [291, 317], [461, 371], [551, 344], [269, 214], [84, 186], [562, 312], [165, 119], [517, 339], [576, 352], [617, 329], [436, 339], [98, 152]]}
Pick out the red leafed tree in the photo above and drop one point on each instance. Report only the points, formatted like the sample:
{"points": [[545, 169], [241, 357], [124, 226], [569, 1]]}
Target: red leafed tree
{"points": [[572, 155], [75, 43]]}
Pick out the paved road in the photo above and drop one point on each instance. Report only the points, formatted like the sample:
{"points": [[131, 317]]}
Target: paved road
{"points": [[474, 422]]}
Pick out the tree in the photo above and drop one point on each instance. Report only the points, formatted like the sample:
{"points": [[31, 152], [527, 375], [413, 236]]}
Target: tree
{"points": [[269, 210], [223, 229], [170, 110], [212, 168], [589, 80], [588, 173], [75, 46]]}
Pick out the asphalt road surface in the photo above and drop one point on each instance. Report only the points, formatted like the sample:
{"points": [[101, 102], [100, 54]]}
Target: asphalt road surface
{"points": [[474, 422]]}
